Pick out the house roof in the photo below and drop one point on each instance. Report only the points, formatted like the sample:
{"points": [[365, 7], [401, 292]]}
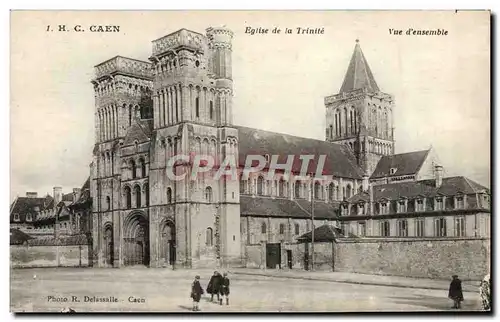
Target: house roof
{"points": [[322, 234], [359, 74], [450, 186], [340, 161], [17, 237], [300, 208], [404, 163]]}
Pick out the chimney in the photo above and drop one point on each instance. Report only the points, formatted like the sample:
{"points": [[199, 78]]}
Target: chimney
{"points": [[438, 172], [57, 195], [31, 194], [76, 194], [365, 182]]}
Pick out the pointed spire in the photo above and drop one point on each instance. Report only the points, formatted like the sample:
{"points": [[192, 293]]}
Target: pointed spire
{"points": [[358, 73]]}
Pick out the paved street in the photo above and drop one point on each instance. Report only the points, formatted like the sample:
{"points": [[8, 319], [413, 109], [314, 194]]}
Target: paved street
{"points": [[162, 290]]}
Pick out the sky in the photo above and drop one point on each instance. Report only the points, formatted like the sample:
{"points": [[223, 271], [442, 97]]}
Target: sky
{"points": [[441, 84]]}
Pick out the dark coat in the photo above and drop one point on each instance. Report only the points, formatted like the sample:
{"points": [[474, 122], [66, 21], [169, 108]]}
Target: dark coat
{"points": [[196, 291], [455, 292], [214, 284], [224, 289]]}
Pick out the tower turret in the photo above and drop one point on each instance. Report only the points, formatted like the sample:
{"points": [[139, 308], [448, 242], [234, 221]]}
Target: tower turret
{"points": [[360, 115]]}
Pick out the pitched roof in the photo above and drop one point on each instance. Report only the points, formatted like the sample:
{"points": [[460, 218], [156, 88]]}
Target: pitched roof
{"points": [[139, 131], [340, 161], [17, 237], [358, 73], [25, 205], [450, 186], [300, 208], [324, 233], [404, 163]]}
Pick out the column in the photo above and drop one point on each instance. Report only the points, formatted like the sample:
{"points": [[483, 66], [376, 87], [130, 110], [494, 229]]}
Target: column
{"points": [[178, 106], [99, 125], [178, 103], [186, 112], [202, 104], [171, 102], [160, 109], [156, 113]]}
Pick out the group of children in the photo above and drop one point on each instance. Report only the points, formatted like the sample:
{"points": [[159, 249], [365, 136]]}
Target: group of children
{"points": [[218, 285]]}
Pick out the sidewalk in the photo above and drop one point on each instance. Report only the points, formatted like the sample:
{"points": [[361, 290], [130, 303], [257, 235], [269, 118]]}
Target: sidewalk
{"points": [[354, 278]]}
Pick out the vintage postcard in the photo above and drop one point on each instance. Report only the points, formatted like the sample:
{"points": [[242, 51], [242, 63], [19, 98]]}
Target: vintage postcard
{"points": [[250, 161]]}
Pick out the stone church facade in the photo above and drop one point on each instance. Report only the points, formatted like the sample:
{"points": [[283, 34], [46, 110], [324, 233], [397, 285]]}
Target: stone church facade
{"points": [[180, 103]]}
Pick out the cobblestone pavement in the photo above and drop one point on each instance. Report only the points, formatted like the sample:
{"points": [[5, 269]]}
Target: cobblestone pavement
{"points": [[164, 290]]}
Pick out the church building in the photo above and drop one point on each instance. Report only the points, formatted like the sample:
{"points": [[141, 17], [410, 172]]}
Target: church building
{"points": [[180, 102]]}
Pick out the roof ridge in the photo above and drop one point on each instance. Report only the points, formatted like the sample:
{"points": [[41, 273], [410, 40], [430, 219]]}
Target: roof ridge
{"points": [[470, 185], [425, 158]]}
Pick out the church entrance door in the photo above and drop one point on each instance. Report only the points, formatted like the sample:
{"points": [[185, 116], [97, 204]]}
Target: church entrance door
{"points": [[136, 241], [167, 244]]}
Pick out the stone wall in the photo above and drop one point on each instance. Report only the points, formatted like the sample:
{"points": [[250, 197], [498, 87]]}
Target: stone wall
{"points": [[428, 258], [23, 256]]}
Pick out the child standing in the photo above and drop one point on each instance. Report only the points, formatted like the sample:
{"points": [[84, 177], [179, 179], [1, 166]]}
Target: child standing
{"points": [[196, 293], [224, 289]]}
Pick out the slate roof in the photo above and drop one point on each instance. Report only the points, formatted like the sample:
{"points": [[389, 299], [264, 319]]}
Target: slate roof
{"points": [[322, 234], [405, 164], [25, 205], [278, 207], [450, 186], [340, 161], [359, 74], [140, 131], [17, 237]]}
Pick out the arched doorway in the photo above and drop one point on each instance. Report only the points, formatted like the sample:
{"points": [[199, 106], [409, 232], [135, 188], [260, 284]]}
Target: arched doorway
{"points": [[136, 240], [108, 244], [167, 243]]}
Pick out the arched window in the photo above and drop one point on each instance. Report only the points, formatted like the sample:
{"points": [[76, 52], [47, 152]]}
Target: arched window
{"points": [[242, 185], [197, 106], [317, 190], [343, 193], [209, 237], [331, 188], [297, 229], [297, 189], [331, 132], [128, 197], [208, 194], [108, 203], [169, 195], [282, 188], [133, 169], [130, 115], [263, 228], [260, 186], [348, 191], [143, 167], [282, 229], [211, 110], [137, 193], [146, 194]]}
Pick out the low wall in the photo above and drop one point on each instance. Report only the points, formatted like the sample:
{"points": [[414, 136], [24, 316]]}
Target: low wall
{"points": [[253, 257], [428, 258], [23, 256]]}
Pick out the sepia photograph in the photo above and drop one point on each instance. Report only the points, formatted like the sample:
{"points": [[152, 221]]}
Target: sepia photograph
{"points": [[250, 161]]}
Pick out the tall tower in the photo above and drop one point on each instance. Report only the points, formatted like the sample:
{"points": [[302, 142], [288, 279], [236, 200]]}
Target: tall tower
{"points": [[192, 95], [361, 115], [122, 90]]}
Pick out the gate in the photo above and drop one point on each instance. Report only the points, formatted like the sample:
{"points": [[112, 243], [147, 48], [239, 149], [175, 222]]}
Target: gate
{"points": [[273, 255]]}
